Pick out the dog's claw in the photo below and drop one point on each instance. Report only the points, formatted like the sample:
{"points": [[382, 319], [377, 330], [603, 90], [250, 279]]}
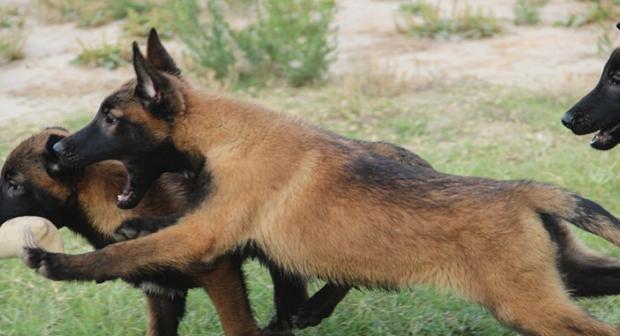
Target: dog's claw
{"points": [[41, 261]]}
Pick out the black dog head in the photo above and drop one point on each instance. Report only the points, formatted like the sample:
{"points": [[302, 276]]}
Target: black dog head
{"points": [[599, 110], [134, 124]]}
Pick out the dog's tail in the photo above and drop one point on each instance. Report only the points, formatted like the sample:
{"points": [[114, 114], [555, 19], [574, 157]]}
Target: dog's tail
{"points": [[581, 212]]}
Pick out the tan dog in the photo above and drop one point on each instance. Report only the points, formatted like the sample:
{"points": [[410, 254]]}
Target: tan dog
{"points": [[321, 207]]}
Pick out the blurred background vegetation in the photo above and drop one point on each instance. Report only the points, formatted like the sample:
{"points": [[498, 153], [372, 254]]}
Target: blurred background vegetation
{"points": [[475, 87]]}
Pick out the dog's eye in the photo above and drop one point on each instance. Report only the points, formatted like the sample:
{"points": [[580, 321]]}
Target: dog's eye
{"points": [[14, 187], [615, 79], [110, 119]]}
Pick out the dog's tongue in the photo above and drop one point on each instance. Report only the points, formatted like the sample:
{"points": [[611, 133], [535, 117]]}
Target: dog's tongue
{"points": [[600, 138], [605, 139]]}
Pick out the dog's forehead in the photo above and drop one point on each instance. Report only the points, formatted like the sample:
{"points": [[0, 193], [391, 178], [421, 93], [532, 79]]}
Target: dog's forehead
{"points": [[29, 153], [124, 94], [25, 156]]}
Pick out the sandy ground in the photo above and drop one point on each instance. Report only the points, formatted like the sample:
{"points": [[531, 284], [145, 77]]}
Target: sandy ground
{"points": [[45, 86]]}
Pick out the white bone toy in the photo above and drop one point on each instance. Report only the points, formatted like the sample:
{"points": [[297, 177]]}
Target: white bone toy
{"points": [[28, 231]]}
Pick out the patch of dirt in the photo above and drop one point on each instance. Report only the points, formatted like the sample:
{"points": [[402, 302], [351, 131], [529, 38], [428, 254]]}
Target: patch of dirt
{"points": [[538, 57], [45, 87]]}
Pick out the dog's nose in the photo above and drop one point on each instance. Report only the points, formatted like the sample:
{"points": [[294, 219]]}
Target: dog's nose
{"points": [[567, 121], [58, 147]]}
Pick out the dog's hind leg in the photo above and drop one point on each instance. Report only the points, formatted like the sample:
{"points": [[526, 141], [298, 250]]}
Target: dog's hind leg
{"points": [[165, 312], [289, 292], [225, 285], [521, 285], [536, 303], [588, 278], [584, 272], [320, 306]]}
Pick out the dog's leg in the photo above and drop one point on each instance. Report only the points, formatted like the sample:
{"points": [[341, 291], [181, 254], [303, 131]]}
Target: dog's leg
{"points": [[165, 313], [198, 237], [225, 285], [544, 311], [529, 296], [590, 279], [289, 292], [584, 272], [320, 306]]}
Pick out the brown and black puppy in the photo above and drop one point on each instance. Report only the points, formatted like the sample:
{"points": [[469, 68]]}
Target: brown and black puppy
{"points": [[34, 183], [319, 206]]}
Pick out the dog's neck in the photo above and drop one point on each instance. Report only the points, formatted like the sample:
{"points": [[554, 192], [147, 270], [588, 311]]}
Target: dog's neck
{"points": [[216, 121]]}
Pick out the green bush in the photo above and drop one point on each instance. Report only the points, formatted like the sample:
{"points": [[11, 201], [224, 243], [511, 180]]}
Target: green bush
{"points": [[289, 39], [211, 44]]}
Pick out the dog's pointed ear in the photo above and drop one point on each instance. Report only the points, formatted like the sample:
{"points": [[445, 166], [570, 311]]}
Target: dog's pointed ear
{"points": [[157, 55], [151, 83], [52, 162]]}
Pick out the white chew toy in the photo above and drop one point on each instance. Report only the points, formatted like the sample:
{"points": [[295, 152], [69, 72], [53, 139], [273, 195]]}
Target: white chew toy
{"points": [[28, 231]]}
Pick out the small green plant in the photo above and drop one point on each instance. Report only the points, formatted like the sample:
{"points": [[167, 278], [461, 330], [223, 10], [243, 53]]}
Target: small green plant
{"points": [[12, 34], [527, 12], [289, 39], [139, 23], [90, 13], [596, 11], [425, 20], [106, 55]]}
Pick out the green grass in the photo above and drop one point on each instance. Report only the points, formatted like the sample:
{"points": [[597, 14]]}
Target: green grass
{"points": [[470, 129]]}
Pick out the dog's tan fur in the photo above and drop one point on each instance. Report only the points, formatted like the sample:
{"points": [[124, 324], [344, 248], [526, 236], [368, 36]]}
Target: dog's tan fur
{"points": [[95, 194], [320, 206]]}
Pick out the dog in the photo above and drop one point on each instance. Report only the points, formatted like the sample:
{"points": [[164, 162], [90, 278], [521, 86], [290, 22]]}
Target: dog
{"points": [[320, 207], [36, 184], [599, 109]]}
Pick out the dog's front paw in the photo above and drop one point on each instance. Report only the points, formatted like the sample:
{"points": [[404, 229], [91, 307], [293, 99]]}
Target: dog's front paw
{"points": [[45, 263], [133, 229]]}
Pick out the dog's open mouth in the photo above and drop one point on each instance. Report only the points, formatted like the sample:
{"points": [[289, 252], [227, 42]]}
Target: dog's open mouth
{"points": [[127, 199], [606, 138], [138, 182]]}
